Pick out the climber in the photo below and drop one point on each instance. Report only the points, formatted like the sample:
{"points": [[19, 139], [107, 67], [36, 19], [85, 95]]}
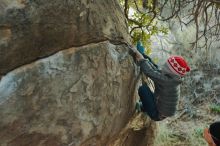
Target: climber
{"points": [[163, 101], [212, 134]]}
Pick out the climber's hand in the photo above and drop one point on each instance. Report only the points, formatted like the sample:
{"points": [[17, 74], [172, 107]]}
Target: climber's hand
{"points": [[138, 56]]}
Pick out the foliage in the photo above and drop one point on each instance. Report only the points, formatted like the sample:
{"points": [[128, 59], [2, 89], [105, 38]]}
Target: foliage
{"points": [[204, 15], [146, 30], [142, 25], [215, 108], [199, 132]]}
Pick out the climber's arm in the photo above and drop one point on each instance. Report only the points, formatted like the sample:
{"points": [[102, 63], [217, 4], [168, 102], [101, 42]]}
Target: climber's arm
{"points": [[139, 54], [151, 71], [150, 60], [149, 68]]}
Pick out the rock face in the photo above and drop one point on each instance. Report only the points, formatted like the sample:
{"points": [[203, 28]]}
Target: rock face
{"points": [[65, 81], [80, 96], [30, 30], [77, 94]]}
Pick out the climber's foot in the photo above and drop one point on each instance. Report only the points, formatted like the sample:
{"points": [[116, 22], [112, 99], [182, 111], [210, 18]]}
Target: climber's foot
{"points": [[139, 106]]}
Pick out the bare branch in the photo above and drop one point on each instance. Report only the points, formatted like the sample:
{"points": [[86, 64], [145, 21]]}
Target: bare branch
{"points": [[126, 9], [144, 4], [205, 14]]}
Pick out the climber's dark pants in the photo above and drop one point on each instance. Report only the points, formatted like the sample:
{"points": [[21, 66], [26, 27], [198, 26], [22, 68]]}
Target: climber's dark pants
{"points": [[149, 102]]}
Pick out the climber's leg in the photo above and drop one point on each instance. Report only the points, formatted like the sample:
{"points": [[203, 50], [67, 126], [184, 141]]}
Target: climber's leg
{"points": [[149, 102]]}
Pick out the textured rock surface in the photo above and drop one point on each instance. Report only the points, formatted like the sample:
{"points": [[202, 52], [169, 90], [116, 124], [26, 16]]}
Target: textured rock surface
{"points": [[31, 29], [139, 131], [80, 96], [64, 81]]}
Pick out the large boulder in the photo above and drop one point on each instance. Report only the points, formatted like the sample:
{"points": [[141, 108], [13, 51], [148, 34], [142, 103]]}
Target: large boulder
{"points": [[73, 96], [32, 29], [66, 77]]}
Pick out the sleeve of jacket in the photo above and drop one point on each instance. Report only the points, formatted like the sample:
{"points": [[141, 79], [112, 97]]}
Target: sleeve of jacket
{"points": [[151, 71]]}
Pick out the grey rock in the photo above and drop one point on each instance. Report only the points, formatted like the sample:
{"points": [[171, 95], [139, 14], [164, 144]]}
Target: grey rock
{"points": [[68, 98], [31, 29]]}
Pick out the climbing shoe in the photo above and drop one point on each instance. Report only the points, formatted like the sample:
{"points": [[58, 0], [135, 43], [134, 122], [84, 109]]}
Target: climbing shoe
{"points": [[138, 106]]}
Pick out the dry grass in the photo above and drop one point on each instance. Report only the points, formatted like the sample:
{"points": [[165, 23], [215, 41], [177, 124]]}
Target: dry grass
{"points": [[171, 136], [186, 130]]}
